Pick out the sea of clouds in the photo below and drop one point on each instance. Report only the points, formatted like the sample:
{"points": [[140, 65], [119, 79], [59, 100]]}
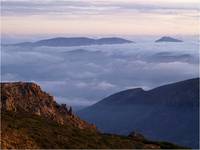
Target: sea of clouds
{"points": [[81, 76]]}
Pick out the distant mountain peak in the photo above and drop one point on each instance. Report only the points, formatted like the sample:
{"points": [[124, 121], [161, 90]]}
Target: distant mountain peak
{"points": [[168, 39], [74, 41]]}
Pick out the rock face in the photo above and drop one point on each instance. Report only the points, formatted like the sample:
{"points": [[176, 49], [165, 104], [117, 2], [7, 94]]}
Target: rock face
{"points": [[167, 39], [136, 136], [28, 97]]}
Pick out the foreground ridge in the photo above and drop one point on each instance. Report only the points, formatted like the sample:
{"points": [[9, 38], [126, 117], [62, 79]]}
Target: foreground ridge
{"points": [[28, 97], [32, 119]]}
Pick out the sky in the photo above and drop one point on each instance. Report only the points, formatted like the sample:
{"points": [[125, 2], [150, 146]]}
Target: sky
{"points": [[100, 17], [81, 76]]}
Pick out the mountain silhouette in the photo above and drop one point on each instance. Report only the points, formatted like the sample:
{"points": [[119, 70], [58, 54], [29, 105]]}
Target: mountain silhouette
{"points": [[169, 112], [74, 41], [168, 39]]}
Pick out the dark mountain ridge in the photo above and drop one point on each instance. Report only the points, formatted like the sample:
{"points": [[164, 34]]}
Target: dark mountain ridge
{"points": [[74, 41], [171, 94], [169, 112]]}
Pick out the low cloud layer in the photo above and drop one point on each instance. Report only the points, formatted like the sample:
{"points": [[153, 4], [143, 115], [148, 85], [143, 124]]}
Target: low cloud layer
{"points": [[81, 76]]}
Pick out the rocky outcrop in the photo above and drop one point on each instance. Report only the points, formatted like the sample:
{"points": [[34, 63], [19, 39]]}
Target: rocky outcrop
{"points": [[28, 97], [136, 136]]}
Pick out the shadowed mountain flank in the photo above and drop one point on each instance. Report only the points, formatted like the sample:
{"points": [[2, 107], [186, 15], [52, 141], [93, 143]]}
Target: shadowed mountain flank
{"points": [[169, 112]]}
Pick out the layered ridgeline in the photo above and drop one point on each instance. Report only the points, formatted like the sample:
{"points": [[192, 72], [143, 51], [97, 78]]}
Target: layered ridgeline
{"points": [[74, 41], [169, 112], [31, 119]]}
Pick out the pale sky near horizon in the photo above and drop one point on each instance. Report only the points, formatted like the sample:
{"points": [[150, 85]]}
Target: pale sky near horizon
{"points": [[124, 17]]}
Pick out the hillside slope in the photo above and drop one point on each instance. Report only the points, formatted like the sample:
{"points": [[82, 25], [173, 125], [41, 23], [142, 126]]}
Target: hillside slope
{"points": [[31, 119], [169, 112]]}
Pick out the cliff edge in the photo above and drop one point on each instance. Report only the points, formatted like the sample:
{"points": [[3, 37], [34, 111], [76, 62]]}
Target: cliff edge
{"points": [[29, 97]]}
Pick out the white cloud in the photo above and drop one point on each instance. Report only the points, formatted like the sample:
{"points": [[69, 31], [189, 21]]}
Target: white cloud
{"points": [[82, 85], [105, 85], [80, 79], [9, 77], [74, 101]]}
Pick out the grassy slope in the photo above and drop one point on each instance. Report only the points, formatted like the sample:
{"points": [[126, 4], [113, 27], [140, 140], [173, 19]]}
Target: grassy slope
{"points": [[19, 130]]}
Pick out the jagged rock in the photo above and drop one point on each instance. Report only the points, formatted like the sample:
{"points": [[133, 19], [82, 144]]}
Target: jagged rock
{"points": [[136, 136], [28, 97], [70, 110]]}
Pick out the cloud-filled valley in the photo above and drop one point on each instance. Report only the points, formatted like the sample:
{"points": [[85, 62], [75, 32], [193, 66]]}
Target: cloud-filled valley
{"points": [[81, 76]]}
